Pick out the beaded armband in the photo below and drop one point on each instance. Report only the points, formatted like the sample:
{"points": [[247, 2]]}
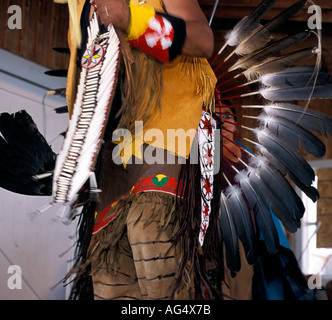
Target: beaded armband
{"points": [[160, 35]]}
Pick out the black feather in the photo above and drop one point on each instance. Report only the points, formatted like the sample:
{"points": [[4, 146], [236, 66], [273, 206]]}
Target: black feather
{"points": [[9, 154], [310, 191], [263, 216], [290, 78], [256, 58], [307, 118], [246, 27], [228, 236], [62, 73], [273, 202], [271, 65], [272, 160], [243, 222], [31, 188], [263, 34], [61, 110], [24, 153], [61, 50], [288, 158], [281, 18], [20, 131], [274, 181], [298, 93], [293, 133], [15, 135]]}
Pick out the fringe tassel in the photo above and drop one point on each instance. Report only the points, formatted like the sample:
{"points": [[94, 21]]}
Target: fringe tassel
{"points": [[82, 288], [142, 90], [193, 67], [143, 85], [101, 250], [189, 219]]}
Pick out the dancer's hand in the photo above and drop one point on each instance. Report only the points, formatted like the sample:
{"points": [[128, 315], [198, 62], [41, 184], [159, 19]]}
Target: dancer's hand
{"points": [[116, 12]]}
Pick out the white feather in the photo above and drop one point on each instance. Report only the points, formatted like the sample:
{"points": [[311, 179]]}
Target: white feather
{"points": [[84, 136]]}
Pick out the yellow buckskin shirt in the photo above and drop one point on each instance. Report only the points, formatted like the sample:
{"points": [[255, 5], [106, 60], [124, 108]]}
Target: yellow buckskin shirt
{"points": [[188, 85]]}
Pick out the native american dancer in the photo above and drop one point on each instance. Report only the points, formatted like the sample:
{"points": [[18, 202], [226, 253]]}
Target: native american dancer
{"points": [[142, 153]]}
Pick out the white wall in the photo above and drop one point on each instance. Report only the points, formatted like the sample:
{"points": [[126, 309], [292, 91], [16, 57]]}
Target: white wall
{"points": [[313, 260], [35, 245]]}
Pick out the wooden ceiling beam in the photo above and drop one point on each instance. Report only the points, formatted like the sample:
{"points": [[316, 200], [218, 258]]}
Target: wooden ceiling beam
{"points": [[238, 9], [235, 13], [292, 27], [324, 4]]}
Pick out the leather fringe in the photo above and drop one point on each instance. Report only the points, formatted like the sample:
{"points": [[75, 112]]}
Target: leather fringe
{"points": [[142, 91], [193, 67]]}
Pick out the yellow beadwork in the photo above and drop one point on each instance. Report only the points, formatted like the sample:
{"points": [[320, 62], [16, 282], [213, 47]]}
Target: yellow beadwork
{"points": [[139, 20]]}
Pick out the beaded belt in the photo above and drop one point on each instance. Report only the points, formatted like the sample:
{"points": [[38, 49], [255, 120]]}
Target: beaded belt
{"points": [[157, 183]]}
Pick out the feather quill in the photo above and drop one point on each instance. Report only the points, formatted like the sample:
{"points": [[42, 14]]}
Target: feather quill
{"points": [[288, 157], [263, 216], [291, 79], [242, 220], [263, 35], [298, 69], [228, 236], [291, 133], [309, 119], [247, 26], [280, 63], [255, 58], [298, 93]]}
